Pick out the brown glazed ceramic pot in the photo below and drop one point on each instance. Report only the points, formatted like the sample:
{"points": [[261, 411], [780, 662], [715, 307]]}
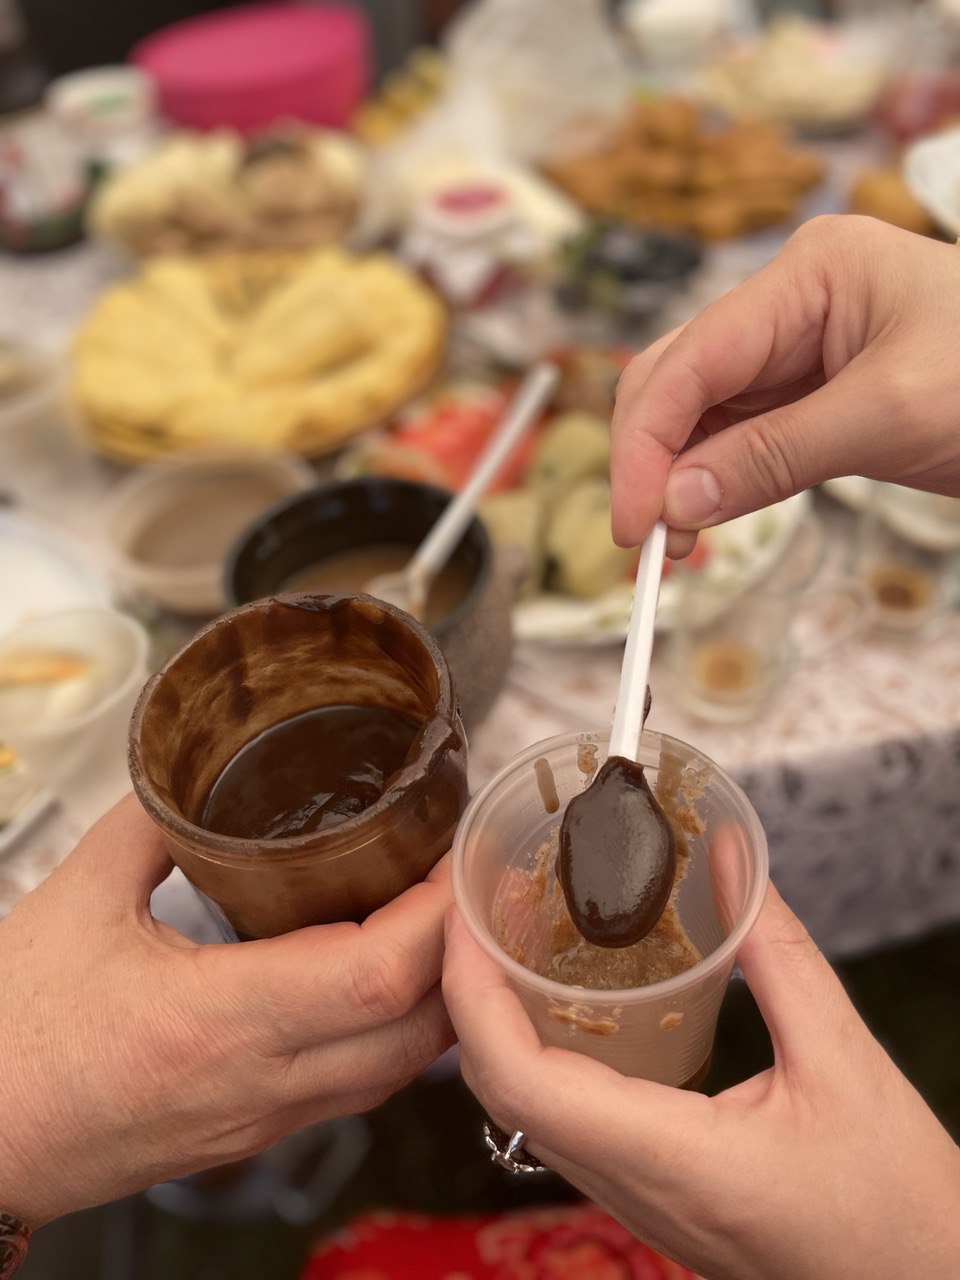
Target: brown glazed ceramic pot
{"points": [[476, 638], [261, 664]]}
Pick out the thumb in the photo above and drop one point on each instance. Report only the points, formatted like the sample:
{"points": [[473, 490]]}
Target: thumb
{"points": [[766, 458], [799, 996]]}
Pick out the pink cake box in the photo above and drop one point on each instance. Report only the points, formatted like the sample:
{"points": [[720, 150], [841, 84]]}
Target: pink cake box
{"points": [[248, 67]]}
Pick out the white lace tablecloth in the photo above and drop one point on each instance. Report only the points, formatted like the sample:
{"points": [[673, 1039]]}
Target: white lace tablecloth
{"points": [[854, 769]]}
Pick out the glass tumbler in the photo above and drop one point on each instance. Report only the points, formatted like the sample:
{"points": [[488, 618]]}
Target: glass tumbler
{"points": [[730, 651], [663, 1032], [908, 560]]}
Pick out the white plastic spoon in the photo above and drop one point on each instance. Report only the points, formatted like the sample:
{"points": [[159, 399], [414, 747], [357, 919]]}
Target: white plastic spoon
{"points": [[628, 713], [617, 858], [408, 589]]}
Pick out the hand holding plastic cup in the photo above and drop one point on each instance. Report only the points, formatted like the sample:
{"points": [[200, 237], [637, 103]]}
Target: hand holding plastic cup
{"points": [[662, 1032]]}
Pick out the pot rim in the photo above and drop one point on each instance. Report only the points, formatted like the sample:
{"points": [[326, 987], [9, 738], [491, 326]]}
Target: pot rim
{"points": [[258, 527]]}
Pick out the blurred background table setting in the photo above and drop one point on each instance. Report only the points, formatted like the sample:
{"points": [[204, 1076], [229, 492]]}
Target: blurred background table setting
{"points": [[269, 277]]}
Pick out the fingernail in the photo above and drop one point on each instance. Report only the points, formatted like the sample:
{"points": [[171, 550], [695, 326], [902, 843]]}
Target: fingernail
{"points": [[691, 496]]}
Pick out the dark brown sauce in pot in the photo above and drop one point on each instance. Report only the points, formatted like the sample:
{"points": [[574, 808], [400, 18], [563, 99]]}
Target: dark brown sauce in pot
{"points": [[309, 771]]}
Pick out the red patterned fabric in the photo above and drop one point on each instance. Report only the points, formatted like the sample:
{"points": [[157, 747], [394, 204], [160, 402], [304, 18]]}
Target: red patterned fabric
{"points": [[578, 1243]]}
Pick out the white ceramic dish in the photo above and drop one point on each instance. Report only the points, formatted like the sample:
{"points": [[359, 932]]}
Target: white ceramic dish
{"points": [[170, 525], [55, 726], [924, 519], [103, 99], [931, 169], [676, 35], [23, 801], [742, 551], [111, 112], [854, 492], [40, 393], [42, 571]]}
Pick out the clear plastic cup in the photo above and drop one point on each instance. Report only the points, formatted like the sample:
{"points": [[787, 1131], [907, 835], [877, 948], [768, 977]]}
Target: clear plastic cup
{"points": [[662, 1032]]}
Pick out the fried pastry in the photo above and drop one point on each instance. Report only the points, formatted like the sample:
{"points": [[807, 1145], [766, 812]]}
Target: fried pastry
{"points": [[664, 165], [276, 351]]}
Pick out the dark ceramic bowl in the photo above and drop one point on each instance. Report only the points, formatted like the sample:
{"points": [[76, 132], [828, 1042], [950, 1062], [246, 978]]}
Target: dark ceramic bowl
{"points": [[297, 532]]}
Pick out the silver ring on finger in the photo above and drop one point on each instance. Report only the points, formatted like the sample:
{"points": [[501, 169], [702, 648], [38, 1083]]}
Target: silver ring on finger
{"points": [[507, 1150]]}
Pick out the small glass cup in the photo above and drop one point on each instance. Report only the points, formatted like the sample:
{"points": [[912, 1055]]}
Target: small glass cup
{"points": [[263, 663], [908, 560], [728, 654], [663, 1032]]}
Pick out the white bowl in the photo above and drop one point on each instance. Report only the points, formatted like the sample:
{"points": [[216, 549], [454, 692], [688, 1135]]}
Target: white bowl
{"points": [[102, 101], [193, 509], [43, 571], [110, 112], [931, 169], [927, 520], [58, 728], [39, 396], [672, 34]]}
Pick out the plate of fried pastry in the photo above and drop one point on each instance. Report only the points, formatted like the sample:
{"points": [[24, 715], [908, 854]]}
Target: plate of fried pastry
{"points": [[665, 164], [272, 351], [288, 189]]}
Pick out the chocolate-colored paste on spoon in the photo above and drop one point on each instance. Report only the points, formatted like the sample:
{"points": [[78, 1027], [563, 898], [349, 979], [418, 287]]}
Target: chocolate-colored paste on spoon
{"points": [[617, 858]]}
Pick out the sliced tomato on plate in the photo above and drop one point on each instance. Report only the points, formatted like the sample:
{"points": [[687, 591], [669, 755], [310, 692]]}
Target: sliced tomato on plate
{"points": [[453, 430]]}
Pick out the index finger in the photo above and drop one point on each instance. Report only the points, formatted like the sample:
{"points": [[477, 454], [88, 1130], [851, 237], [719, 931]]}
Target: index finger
{"points": [[329, 981], [766, 331], [662, 399]]}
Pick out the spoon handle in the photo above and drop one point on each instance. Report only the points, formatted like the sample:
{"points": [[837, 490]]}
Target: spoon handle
{"points": [[631, 695], [531, 396]]}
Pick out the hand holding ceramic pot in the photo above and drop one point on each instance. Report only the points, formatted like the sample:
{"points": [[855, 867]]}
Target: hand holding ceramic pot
{"points": [[132, 1055]]}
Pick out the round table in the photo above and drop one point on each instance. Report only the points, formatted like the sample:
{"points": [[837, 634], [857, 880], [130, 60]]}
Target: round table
{"points": [[854, 768]]}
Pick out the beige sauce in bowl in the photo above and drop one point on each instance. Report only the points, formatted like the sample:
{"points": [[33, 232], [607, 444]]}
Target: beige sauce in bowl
{"points": [[351, 571], [201, 523]]}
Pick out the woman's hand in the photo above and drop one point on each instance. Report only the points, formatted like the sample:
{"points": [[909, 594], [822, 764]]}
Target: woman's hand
{"points": [[131, 1055], [827, 1165], [838, 358]]}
